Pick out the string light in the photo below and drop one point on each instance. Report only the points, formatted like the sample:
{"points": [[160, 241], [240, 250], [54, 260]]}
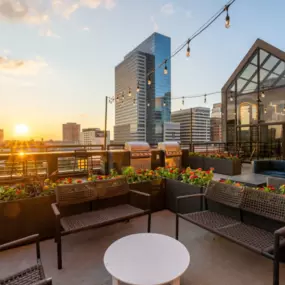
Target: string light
{"points": [[123, 96], [148, 104], [165, 68], [188, 49], [205, 98], [284, 108], [183, 100], [227, 23], [117, 99], [138, 87], [231, 98], [262, 93], [164, 103], [149, 80], [130, 92], [134, 102], [265, 110]]}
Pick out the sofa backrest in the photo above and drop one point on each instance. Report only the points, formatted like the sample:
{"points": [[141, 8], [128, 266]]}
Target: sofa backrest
{"points": [[69, 194], [225, 194], [277, 165], [264, 204]]}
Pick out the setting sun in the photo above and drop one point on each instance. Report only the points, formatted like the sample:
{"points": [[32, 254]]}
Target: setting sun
{"points": [[21, 130]]}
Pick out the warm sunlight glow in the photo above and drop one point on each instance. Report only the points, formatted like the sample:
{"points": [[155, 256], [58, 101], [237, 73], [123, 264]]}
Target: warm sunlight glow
{"points": [[21, 130]]}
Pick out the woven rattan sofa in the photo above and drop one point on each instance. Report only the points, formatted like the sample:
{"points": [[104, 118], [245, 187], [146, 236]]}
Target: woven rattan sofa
{"points": [[109, 202], [33, 275], [251, 218]]}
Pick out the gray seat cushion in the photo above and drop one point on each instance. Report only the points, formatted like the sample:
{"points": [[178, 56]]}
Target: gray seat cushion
{"points": [[94, 218]]}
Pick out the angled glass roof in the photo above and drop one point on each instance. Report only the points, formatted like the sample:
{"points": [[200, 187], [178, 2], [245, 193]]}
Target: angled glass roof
{"points": [[272, 73]]}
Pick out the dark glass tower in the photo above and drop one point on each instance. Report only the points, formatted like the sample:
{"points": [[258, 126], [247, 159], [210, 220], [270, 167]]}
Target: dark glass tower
{"points": [[153, 104]]}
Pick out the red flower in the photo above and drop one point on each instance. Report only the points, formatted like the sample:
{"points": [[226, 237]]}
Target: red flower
{"points": [[18, 192], [79, 181], [199, 169], [193, 176]]}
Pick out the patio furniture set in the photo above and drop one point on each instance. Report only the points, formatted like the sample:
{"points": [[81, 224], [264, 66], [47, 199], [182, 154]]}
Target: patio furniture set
{"points": [[251, 218]]}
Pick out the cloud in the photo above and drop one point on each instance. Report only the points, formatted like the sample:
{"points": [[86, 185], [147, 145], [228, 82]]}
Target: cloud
{"points": [[49, 33], [7, 51], [22, 67], [155, 25], [86, 29], [110, 4], [67, 8], [21, 11], [167, 9]]}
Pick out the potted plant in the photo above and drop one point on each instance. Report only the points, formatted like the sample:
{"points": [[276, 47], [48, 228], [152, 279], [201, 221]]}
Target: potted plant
{"points": [[196, 160], [223, 164], [108, 186], [190, 182], [25, 209], [147, 181]]}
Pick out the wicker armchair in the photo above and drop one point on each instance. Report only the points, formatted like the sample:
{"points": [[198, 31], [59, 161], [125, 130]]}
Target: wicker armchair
{"points": [[33, 275]]}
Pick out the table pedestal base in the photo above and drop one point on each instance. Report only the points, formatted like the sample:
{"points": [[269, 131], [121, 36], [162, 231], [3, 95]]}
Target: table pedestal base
{"points": [[117, 282]]}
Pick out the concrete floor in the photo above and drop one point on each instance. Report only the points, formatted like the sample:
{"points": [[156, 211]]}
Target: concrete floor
{"points": [[214, 260]]}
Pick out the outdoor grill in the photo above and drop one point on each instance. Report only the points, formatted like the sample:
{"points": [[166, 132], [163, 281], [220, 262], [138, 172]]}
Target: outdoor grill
{"points": [[172, 153], [140, 154]]}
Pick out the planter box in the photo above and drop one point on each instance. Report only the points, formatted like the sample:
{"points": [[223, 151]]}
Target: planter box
{"points": [[223, 166], [157, 191], [26, 217], [174, 189], [196, 162]]}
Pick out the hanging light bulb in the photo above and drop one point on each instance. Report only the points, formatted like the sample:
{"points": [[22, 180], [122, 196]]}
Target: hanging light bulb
{"points": [[164, 103], [227, 23], [148, 104], [205, 98], [182, 100], [165, 68], [117, 99], [262, 94], [231, 98], [149, 80], [134, 102], [284, 108], [265, 111], [188, 49], [138, 87], [130, 92], [123, 96]]}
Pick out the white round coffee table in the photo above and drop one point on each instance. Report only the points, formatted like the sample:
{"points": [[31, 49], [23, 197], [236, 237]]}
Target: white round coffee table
{"points": [[146, 259]]}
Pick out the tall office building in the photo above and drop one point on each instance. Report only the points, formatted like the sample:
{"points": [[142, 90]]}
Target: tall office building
{"points": [[94, 136], [71, 132], [194, 124], [140, 114], [216, 123], [1, 136]]}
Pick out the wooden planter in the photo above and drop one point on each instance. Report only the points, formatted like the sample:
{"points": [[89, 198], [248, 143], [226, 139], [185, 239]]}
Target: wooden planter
{"points": [[26, 217], [223, 166], [157, 191], [174, 189], [196, 162]]}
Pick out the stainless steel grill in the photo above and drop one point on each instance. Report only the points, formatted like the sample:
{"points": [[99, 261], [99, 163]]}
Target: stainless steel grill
{"points": [[172, 153], [140, 154]]}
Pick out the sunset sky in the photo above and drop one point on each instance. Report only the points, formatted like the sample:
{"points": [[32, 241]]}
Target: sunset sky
{"points": [[57, 57]]}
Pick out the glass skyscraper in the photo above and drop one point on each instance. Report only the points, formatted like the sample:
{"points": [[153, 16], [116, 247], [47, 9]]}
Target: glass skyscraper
{"points": [[141, 115]]}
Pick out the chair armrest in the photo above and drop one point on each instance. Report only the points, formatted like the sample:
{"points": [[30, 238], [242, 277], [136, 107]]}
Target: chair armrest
{"points": [[55, 209], [148, 196], [19, 242], [280, 232], [47, 281], [179, 198]]}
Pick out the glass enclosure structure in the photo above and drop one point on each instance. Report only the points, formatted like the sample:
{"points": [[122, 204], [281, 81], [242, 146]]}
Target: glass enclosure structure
{"points": [[253, 102]]}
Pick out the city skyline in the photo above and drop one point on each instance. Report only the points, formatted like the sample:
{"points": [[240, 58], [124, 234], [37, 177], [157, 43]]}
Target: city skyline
{"points": [[56, 60]]}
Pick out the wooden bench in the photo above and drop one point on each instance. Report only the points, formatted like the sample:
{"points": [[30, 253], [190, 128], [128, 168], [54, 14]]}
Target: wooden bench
{"points": [[94, 195], [251, 218]]}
